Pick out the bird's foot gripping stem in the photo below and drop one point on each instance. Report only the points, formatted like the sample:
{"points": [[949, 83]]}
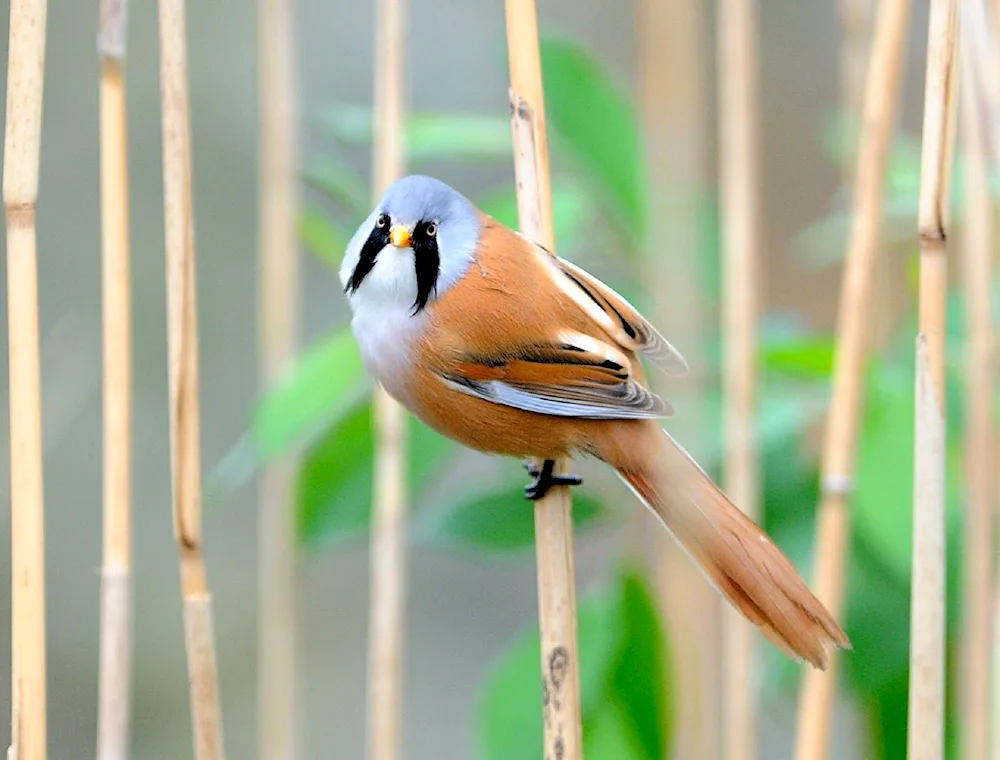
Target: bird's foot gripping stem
{"points": [[544, 479]]}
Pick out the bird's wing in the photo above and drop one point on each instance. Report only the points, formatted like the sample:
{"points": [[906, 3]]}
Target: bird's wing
{"points": [[573, 375], [620, 319]]}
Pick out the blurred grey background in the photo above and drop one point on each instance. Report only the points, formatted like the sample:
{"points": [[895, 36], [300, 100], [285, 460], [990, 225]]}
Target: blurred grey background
{"points": [[462, 611]]}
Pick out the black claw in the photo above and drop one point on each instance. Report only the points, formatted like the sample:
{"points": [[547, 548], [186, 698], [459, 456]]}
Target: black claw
{"points": [[544, 479]]}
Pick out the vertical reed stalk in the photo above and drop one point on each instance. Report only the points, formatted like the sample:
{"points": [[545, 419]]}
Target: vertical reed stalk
{"points": [[837, 476], [388, 542], [115, 687], [927, 616], [182, 362], [977, 270], [856, 28], [563, 737], [672, 83], [278, 297], [738, 148], [22, 149]]}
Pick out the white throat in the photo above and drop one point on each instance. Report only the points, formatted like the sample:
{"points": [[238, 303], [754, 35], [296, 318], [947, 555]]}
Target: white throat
{"points": [[383, 321]]}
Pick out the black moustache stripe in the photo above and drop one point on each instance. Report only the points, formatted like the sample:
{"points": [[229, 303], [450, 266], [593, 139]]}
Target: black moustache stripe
{"points": [[377, 240], [427, 261]]}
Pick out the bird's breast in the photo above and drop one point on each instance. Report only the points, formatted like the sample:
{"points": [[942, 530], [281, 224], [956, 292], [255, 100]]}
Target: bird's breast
{"points": [[385, 339]]}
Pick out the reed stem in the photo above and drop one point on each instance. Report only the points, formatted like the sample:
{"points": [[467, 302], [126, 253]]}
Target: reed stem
{"points": [[115, 686], [927, 616], [856, 29], [563, 736], [856, 296], [671, 44], [388, 545], [182, 362], [22, 150], [977, 270], [739, 179], [278, 297]]}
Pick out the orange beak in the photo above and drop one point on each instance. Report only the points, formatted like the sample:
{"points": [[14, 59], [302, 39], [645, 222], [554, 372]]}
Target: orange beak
{"points": [[399, 236]]}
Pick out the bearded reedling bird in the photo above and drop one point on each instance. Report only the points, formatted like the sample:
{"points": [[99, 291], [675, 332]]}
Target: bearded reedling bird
{"points": [[494, 342]]}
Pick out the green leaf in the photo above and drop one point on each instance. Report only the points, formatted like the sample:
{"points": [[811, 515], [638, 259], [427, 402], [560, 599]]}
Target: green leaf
{"points": [[610, 735], [623, 683], [323, 385], [571, 208], [336, 476], [498, 518], [598, 125], [325, 240], [640, 676], [339, 183], [883, 500], [458, 137], [335, 481], [809, 357], [510, 703], [877, 621], [429, 136]]}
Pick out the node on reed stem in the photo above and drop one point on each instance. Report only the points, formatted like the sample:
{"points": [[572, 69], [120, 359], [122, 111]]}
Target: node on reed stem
{"points": [[22, 150], [182, 364], [927, 616], [115, 687], [854, 314], [388, 548], [553, 513]]}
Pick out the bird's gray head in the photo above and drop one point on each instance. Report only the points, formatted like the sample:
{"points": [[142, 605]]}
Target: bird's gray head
{"points": [[416, 244]]}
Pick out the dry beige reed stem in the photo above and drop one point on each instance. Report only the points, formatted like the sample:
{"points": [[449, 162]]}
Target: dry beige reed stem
{"points": [[739, 170], [182, 364], [671, 42], [840, 443], [563, 738], [278, 296], [927, 610], [856, 29], [388, 541], [22, 150], [977, 270], [115, 678]]}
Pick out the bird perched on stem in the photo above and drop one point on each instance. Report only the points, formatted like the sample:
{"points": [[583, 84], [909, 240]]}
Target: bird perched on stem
{"points": [[505, 348]]}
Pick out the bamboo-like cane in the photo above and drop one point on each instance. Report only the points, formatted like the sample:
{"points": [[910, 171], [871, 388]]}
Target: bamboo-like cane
{"points": [[115, 687], [833, 526], [671, 39], [388, 547], [563, 736], [278, 288], [927, 616], [855, 25], [738, 147], [977, 268], [182, 333], [671, 84], [22, 150]]}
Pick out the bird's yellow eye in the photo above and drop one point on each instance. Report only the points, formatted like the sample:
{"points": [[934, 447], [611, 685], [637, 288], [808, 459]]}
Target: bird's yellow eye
{"points": [[382, 220], [432, 229]]}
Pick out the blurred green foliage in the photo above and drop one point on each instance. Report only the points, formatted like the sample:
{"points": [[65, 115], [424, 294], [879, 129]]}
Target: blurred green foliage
{"points": [[323, 408]]}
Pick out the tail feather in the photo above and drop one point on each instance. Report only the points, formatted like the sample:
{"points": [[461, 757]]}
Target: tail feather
{"points": [[740, 560]]}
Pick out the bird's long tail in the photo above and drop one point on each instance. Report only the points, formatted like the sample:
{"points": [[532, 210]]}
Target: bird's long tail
{"points": [[733, 552]]}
